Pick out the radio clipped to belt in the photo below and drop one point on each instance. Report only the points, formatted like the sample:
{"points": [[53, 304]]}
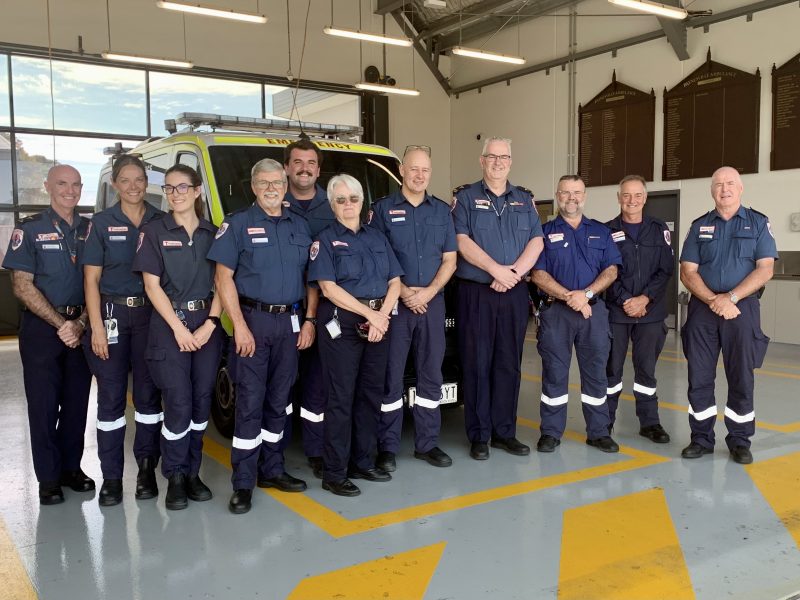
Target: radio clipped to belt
{"points": [[112, 330]]}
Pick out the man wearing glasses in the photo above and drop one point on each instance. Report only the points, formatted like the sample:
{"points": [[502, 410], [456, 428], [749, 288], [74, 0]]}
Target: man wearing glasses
{"points": [[499, 238], [303, 161], [578, 262], [261, 254], [422, 236]]}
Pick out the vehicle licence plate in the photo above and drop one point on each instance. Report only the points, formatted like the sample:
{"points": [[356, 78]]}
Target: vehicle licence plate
{"points": [[449, 394]]}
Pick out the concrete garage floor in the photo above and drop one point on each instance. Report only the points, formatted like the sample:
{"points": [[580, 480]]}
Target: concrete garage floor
{"points": [[576, 524]]}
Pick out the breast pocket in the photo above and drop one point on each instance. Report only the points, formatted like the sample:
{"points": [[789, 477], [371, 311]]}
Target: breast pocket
{"points": [[348, 266], [261, 250], [523, 221], [120, 249], [745, 244], [707, 248], [301, 243], [51, 255], [438, 228], [482, 220]]}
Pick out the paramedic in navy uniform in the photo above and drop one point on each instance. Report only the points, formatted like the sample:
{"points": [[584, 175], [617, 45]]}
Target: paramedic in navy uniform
{"points": [[43, 254], [636, 304], [578, 262], [499, 239], [422, 236], [185, 337], [727, 258], [119, 318], [303, 161], [359, 277], [261, 254]]}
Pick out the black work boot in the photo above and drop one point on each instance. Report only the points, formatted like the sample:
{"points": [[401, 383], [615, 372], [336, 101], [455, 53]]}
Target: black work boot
{"points": [[176, 492], [146, 487]]}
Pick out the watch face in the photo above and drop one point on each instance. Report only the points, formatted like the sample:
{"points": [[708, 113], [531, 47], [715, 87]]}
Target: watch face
{"points": [[589, 294]]}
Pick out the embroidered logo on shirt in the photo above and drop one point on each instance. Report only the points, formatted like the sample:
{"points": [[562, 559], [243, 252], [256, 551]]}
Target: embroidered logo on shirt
{"points": [[618, 236], [482, 203], [516, 204], [16, 239], [117, 238], [707, 228], [172, 243], [47, 237], [116, 229], [51, 246], [221, 231], [313, 251], [397, 211], [335, 243], [398, 219], [264, 240], [555, 237], [255, 230]]}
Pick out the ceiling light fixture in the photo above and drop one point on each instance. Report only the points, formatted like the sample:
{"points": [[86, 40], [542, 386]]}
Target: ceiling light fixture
{"points": [[367, 37], [146, 60], [389, 89], [207, 11], [656, 8], [483, 54]]}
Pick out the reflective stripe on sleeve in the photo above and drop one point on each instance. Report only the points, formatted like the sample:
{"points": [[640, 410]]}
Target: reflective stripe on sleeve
{"points": [[243, 444], [740, 418], [424, 403], [396, 405], [555, 401], [592, 401], [643, 389], [148, 419], [711, 411], [111, 425], [310, 416]]}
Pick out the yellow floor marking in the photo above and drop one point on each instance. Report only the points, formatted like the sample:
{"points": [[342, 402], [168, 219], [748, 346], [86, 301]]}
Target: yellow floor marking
{"points": [[778, 480], [404, 576], [14, 579], [338, 526], [623, 548], [784, 428]]}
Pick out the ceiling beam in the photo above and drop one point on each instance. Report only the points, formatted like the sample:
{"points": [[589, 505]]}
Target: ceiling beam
{"points": [[388, 6], [475, 14], [428, 57], [676, 35]]}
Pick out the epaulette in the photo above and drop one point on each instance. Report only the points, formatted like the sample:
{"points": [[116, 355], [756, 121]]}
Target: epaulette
{"points": [[760, 214], [524, 189], [440, 200], [703, 216], [379, 199], [461, 187], [603, 225], [31, 218]]}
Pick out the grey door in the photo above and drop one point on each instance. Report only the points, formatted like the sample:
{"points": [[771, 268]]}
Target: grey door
{"points": [[666, 206]]}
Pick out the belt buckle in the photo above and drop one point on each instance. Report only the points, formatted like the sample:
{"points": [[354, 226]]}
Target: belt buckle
{"points": [[129, 301], [70, 310], [373, 303], [190, 305]]}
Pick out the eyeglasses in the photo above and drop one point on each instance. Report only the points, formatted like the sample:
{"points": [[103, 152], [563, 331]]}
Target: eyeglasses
{"points": [[266, 185], [181, 188], [497, 157], [566, 194], [411, 148], [351, 199]]}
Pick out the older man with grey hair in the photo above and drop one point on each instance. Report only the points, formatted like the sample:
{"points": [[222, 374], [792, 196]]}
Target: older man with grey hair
{"points": [[261, 254], [499, 238]]}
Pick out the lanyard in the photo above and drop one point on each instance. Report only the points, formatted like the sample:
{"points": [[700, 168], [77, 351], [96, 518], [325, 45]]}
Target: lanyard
{"points": [[73, 250]]}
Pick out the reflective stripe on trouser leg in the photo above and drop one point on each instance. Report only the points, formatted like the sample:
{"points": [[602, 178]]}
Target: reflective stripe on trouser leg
{"points": [[620, 337], [555, 337], [312, 400], [205, 363], [390, 425], [429, 349], [648, 341], [592, 345], [146, 396], [701, 346]]}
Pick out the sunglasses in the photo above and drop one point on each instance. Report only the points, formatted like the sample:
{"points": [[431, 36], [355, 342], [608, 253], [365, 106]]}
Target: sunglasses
{"points": [[351, 199]]}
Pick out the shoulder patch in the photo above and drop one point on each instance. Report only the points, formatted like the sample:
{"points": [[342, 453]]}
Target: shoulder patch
{"points": [[370, 214], [16, 239], [668, 237], [221, 231], [89, 229], [139, 241], [453, 204], [313, 252], [769, 228]]}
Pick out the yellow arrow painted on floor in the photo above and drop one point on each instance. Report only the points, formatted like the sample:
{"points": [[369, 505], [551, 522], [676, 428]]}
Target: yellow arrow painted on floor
{"points": [[778, 480], [623, 548], [404, 576]]}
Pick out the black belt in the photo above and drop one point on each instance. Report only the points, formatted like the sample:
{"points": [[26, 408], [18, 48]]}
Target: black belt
{"points": [[192, 305], [70, 312], [374, 303], [550, 300], [130, 301], [264, 307]]}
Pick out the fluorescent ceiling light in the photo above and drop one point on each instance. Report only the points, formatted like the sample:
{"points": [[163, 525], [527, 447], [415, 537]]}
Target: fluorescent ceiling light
{"points": [[146, 60], [197, 9], [656, 8], [389, 89], [367, 37], [495, 56]]}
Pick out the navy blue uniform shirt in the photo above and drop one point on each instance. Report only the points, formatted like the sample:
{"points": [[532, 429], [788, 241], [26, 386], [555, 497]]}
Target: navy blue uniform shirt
{"points": [[48, 247], [727, 251], [575, 257], [501, 225], [111, 244], [362, 263], [268, 258], [164, 249], [647, 266], [319, 214], [418, 235]]}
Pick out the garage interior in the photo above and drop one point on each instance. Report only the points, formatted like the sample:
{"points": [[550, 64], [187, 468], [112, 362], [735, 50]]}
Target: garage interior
{"points": [[576, 524]]}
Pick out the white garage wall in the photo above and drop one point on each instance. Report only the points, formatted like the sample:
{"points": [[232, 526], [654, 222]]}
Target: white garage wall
{"points": [[533, 111], [138, 26]]}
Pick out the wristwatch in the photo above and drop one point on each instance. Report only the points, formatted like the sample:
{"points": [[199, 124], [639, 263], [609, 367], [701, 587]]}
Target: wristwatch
{"points": [[312, 320], [734, 298], [214, 320], [589, 293]]}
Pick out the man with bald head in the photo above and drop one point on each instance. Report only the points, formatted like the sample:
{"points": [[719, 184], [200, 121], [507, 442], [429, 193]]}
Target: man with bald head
{"points": [[43, 255], [727, 258]]}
